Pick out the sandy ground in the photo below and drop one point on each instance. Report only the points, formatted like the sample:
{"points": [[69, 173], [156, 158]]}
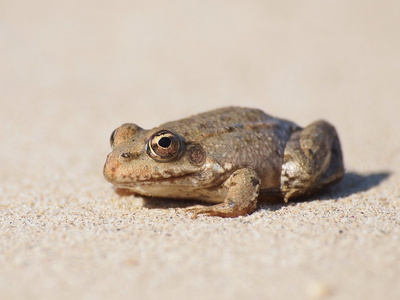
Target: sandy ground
{"points": [[73, 71]]}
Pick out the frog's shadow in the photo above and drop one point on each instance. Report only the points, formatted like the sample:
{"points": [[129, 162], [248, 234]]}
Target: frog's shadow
{"points": [[351, 183]]}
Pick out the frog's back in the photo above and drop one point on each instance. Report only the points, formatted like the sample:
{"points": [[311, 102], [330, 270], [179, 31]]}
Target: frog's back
{"points": [[220, 121], [236, 137]]}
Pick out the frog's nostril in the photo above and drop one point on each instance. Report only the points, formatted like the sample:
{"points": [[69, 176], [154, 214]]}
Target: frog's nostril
{"points": [[126, 155]]}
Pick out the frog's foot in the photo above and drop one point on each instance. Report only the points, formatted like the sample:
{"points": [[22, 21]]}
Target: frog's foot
{"points": [[243, 187], [221, 210]]}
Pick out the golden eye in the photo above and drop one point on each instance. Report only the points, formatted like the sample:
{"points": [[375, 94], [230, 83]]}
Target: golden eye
{"points": [[164, 146]]}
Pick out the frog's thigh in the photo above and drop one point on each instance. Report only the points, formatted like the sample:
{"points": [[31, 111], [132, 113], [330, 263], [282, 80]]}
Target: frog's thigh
{"points": [[312, 159], [242, 187]]}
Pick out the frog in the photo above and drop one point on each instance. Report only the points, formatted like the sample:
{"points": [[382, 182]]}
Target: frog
{"points": [[226, 159]]}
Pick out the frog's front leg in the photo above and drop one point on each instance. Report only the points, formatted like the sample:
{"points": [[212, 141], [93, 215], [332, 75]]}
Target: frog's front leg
{"points": [[243, 187]]}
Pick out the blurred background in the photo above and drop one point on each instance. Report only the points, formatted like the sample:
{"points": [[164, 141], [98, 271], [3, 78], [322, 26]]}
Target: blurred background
{"points": [[72, 71]]}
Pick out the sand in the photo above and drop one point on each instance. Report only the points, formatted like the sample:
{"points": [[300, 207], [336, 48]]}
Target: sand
{"points": [[73, 71]]}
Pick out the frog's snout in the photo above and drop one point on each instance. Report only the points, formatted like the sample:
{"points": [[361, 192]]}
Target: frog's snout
{"points": [[111, 167]]}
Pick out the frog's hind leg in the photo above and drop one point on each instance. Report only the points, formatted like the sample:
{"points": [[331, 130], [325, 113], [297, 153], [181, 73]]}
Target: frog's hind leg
{"points": [[312, 160]]}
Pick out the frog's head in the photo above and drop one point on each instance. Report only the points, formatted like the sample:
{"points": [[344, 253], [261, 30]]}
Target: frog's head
{"points": [[151, 157]]}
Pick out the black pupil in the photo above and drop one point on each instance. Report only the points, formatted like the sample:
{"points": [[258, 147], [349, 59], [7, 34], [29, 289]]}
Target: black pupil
{"points": [[164, 142]]}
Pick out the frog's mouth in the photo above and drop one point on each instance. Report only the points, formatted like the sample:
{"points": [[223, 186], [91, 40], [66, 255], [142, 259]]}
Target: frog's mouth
{"points": [[128, 176], [159, 181], [179, 180], [152, 180], [190, 181]]}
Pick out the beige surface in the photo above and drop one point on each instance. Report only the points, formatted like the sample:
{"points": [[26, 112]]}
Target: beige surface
{"points": [[72, 71]]}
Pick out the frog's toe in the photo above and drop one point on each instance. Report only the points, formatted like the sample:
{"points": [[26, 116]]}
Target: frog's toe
{"points": [[197, 210], [224, 210]]}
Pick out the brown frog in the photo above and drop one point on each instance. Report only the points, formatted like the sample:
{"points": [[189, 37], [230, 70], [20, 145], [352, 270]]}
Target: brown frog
{"points": [[229, 156]]}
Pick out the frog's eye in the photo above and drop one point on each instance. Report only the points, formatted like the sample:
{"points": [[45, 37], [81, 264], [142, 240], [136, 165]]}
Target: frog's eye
{"points": [[112, 138], [164, 146]]}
